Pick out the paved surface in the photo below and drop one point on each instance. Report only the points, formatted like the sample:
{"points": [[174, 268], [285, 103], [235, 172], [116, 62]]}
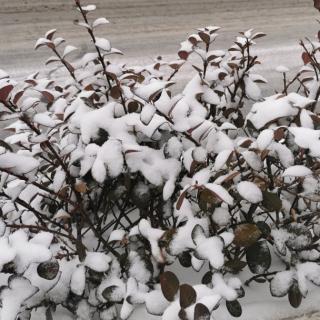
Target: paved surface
{"points": [[314, 316], [145, 28]]}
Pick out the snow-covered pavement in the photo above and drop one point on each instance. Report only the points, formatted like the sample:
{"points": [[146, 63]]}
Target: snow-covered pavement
{"points": [[313, 316], [144, 29]]}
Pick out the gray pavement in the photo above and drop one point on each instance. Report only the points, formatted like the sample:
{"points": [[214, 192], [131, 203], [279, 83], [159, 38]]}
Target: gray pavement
{"points": [[146, 28]]}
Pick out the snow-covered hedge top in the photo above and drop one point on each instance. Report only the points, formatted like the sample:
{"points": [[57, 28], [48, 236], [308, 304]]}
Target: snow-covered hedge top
{"points": [[110, 180]]}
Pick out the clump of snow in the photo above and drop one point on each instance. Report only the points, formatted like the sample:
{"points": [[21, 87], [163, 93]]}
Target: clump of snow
{"points": [[221, 216], [276, 107], [282, 69], [297, 171], [249, 191]]}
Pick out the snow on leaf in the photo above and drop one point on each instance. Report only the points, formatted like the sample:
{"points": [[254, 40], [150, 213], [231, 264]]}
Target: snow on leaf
{"points": [[13, 296], [259, 257], [253, 160], [252, 89], [28, 251], [306, 120], [156, 303], [44, 119], [211, 249], [148, 91], [249, 191], [265, 138], [7, 253], [297, 171], [49, 34], [67, 50], [282, 69], [57, 41], [17, 163], [220, 192], [97, 261], [284, 154], [153, 235], [221, 216], [221, 159], [117, 235], [42, 42], [89, 7], [78, 280], [307, 138], [99, 21], [281, 283], [103, 44], [276, 107], [147, 113]]}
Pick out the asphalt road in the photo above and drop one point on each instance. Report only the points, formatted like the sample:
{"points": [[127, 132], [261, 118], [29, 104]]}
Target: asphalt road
{"points": [[144, 29]]}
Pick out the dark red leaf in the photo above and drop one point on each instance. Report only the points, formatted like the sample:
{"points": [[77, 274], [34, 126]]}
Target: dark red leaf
{"points": [[17, 96], [5, 91], [188, 296], [169, 285], [201, 312], [183, 54], [181, 198], [204, 37], [48, 96], [306, 57]]}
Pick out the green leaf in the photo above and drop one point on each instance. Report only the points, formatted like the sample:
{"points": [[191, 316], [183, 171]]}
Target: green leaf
{"points": [[207, 278], [48, 270], [259, 257], [185, 259], [271, 201], [295, 296], [235, 266], [234, 308], [264, 228]]}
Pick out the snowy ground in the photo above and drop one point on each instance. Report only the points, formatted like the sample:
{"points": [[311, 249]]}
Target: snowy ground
{"points": [[146, 28], [315, 316]]}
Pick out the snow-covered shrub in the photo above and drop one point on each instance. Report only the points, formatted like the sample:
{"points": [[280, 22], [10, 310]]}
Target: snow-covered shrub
{"points": [[110, 180]]}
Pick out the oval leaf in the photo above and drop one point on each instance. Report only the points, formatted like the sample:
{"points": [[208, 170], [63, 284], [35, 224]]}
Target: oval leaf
{"points": [[201, 312], [169, 285], [294, 295], [5, 91], [246, 235], [188, 296], [259, 257], [271, 201], [185, 259], [234, 308], [48, 270]]}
